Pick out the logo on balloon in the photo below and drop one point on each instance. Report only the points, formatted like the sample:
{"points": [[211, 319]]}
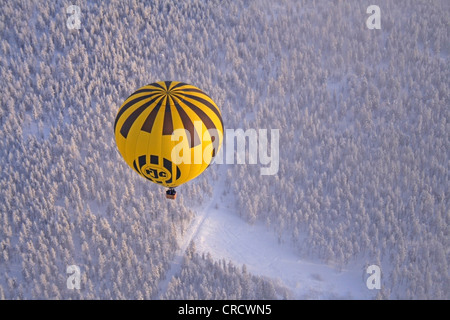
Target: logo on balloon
{"points": [[157, 169], [154, 173]]}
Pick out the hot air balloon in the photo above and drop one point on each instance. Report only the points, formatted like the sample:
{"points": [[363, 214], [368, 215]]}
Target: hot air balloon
{"points": [[169, 132]]}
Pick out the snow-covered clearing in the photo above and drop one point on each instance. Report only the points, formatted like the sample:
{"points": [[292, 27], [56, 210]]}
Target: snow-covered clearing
{"points": [[217, 229], [184, 242]]}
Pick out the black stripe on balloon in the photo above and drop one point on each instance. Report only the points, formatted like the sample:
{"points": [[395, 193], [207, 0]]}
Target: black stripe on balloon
{"points": [[180, 84], [190, 90], [168, 83], [155, 91], [168, 166], [142, 161], [150, 121], [187, 124], [201, 114], [130, 104], [154, 160], [139, 91], [206, 103], [132, 118], [168, 123], [135, 167], [156, 85], [178, 173], [213, 138]]}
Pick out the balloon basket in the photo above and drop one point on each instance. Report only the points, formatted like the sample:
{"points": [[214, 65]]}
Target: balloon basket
{"points": [[171, 194]]}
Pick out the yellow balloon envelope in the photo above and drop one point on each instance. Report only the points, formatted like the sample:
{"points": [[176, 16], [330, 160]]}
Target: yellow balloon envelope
{"points": [[169, 132]]}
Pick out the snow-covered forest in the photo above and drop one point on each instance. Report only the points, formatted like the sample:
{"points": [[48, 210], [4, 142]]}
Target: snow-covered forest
{"points": [[364, 143]]}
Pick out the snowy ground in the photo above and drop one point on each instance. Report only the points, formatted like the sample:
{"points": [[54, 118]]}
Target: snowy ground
{"points": [[217, 229], [184, 241]]}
